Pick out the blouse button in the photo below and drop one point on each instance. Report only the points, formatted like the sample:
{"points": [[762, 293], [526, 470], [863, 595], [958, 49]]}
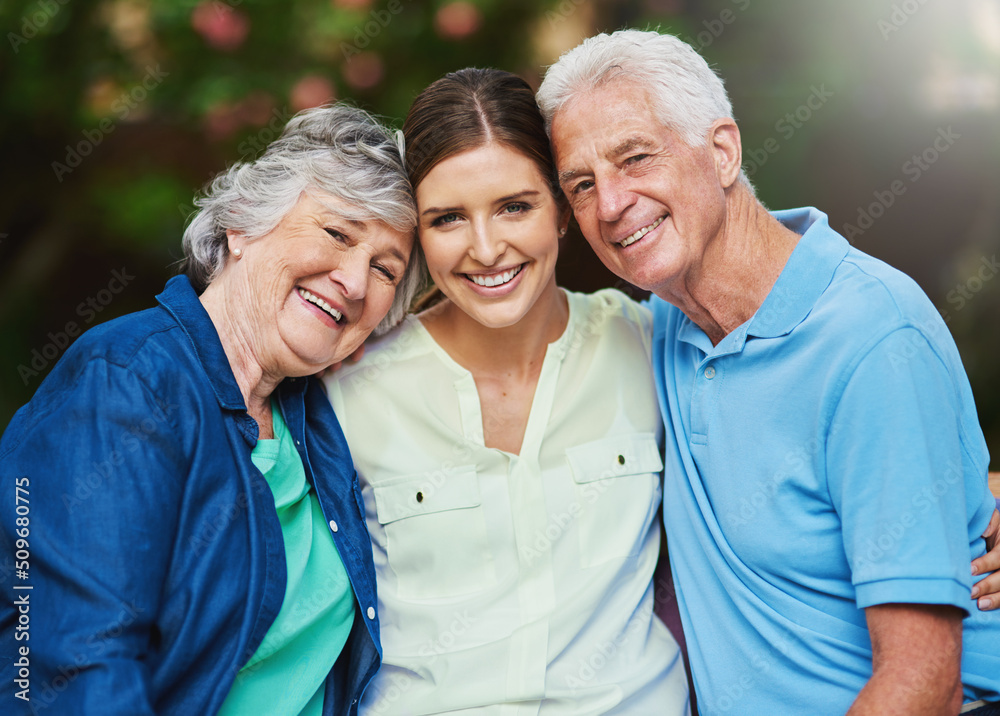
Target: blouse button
{"points": [[371, 612], [621, 459], [333, 525], [710, 372], [420, 497]]}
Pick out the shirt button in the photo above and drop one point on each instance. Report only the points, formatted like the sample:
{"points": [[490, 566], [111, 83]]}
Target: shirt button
{"points": [[420, 497], [333, 525], [371, 612], [621, 459], [710, 372]]}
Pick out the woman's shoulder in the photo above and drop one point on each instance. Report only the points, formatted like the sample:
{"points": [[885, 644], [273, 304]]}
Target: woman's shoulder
{"points": [[391, 353], [139, 352], [121, 339], [609, 309]]}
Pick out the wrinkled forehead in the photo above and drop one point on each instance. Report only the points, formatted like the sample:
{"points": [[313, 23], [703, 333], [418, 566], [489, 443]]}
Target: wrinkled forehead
{"points": [[328, 203], [605, 120], [361, 223]]}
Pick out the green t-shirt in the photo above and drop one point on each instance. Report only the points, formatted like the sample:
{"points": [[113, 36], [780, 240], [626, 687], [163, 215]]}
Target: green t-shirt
{"points": [[287, 674]]}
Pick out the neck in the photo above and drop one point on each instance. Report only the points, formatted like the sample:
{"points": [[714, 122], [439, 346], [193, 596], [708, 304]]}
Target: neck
{"points": [[512, 350], [242, 347], [737, 270]]}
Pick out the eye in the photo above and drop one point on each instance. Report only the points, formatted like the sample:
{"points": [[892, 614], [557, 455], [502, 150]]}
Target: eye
{"points": [[581, 186], [517, 207], [449, 218], [336, 235], [635, 158], [385, 272]]}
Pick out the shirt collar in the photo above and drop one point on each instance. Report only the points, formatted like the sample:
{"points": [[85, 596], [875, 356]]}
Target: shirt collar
{"points": [[804, 278], [180, 300]]}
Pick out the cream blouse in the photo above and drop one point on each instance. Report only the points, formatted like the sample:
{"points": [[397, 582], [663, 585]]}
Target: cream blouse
{"points": [[515, 584]]}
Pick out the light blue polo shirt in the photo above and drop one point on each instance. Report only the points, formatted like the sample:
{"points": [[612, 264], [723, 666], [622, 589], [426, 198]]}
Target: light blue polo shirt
{"points": [[826, 456]]}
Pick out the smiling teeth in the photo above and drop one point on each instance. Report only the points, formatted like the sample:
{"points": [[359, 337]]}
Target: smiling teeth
{"points": [[496, 280], [641, 232], [314, 299]]}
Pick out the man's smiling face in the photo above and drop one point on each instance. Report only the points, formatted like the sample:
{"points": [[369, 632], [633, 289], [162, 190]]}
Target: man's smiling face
{"points": [[647, 203]]}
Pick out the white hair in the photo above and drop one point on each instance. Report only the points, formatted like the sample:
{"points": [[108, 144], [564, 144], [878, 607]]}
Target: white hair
{"points": [[688, 95], [336, 150]]}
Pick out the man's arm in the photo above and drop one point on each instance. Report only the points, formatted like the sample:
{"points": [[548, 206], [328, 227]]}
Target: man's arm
{"points": [[916, 661], [903, 450]]}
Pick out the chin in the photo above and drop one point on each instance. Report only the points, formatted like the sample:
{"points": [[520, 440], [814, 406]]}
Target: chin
{"points": [[502, 317], [321, 357], [495, 321], [646, 277]]}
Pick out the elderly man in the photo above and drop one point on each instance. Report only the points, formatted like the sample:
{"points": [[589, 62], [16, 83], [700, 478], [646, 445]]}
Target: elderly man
{"points": [[825, 469]]}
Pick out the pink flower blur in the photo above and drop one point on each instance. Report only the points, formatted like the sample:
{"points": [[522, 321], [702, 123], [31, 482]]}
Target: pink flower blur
{"points": [[222, 27], [364, 70], [311, 91], [221, 121], [255, 109], [457, 20]]}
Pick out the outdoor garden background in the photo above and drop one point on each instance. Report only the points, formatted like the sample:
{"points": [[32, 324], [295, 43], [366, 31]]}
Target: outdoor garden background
{"points": [[884, 114]]}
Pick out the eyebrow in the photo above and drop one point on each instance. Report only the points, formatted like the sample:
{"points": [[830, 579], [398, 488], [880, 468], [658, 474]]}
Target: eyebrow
{"points": [[333, 216], [361, 226], [524, 193], [439, 210], [629, 144], [396, 253], [510, 197], [624, 147], [569, 175], [356, 224]]}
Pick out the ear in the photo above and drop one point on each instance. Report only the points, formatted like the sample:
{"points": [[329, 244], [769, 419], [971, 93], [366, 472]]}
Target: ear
{"points": [[565, 214], [235, 240], [724, 140]]}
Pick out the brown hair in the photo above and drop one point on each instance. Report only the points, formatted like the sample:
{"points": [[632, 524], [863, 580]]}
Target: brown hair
{"points": [[467, 109]]}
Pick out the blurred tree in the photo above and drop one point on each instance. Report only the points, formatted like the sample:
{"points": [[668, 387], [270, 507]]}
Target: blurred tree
{"points": [[115, 112]]}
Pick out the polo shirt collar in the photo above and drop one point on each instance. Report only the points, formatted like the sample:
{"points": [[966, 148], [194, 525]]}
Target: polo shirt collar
{"points": [[804, 278], [180, 300]]}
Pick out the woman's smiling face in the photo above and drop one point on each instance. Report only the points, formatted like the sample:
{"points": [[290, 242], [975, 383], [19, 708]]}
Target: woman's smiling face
{"points": [[319, 283], [489, 228]]}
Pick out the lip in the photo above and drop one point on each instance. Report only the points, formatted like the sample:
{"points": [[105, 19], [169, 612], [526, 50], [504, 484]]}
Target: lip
{"points": [[658, 223], [319, 312], [495, 291]]}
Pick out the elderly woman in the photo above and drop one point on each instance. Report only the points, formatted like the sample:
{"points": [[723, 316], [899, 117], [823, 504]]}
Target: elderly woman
{"points": [[178, 493]]}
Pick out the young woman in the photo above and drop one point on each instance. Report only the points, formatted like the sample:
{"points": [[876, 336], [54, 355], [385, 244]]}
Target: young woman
{"points": [[506, 441]]}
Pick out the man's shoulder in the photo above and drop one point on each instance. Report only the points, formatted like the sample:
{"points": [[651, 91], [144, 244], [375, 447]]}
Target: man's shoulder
{"points": [[867, 294], [602, 309]]}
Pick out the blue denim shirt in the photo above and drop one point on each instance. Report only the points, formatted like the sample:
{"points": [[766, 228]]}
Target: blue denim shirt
{"points": [[152, 562]]}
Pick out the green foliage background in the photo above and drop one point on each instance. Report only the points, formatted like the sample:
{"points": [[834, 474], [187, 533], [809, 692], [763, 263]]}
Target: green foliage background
{"points": [[893, 74]]}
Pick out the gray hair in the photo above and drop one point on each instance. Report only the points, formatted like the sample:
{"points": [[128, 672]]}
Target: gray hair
{"points": [[689, 96], [336, 150]]}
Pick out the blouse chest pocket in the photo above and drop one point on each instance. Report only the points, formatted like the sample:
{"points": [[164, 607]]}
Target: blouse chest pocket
{"points": [[435, 529], [618, 483]]}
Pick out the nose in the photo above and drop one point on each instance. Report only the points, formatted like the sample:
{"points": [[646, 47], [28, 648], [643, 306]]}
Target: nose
{"points": [[352, 274], [613, 198], [487, 246]]}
